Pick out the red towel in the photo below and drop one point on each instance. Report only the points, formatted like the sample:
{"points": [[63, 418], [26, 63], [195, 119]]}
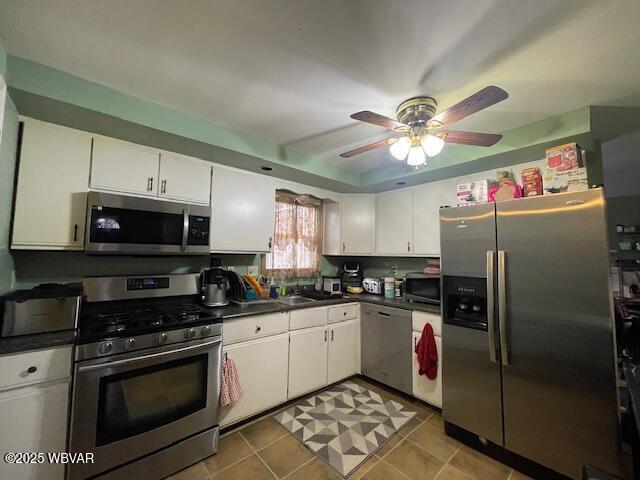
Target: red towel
{"points": [[427, 353]]}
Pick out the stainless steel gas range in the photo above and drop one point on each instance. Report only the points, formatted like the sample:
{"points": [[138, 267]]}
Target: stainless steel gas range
{"points": [[147, 378]]}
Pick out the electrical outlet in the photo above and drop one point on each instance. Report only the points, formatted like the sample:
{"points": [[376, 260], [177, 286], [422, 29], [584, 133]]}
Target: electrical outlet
{"points": [[253, 270], [231, 268], [394, 271]]}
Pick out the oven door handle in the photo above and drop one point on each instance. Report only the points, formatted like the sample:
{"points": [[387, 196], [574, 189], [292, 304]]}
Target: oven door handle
{"points": [[151, 356]]}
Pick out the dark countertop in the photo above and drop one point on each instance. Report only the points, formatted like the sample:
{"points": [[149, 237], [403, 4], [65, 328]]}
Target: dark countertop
{"points": [[37, 341], [233, 310], [68, 337]]}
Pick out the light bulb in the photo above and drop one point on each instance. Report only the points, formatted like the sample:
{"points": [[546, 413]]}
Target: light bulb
{"points": [[431, 144], [400, 148], [416, 156]]}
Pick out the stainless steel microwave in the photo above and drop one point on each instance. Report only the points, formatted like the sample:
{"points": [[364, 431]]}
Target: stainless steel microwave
{"points": [[422, 287], [119, 224]]}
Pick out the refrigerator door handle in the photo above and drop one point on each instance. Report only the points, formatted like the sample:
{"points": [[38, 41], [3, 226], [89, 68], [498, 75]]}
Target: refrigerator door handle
{"points": [[502, 306], [491, 327]]}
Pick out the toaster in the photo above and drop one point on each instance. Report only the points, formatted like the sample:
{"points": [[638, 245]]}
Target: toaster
{"points": [[373, 285]]}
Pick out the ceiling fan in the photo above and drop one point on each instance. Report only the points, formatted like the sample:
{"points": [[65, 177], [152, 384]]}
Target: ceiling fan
{"points": [[421, 127]]}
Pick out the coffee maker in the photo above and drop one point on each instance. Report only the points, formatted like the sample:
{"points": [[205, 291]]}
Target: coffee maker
{"points": [[351, 275], [214, 283]]}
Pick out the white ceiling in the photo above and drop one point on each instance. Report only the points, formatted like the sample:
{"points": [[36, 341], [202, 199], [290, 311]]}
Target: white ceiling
{"points": [[292, 71]]}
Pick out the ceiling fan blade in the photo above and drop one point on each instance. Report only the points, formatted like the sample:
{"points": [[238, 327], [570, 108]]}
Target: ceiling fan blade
{"points": [[470, 138], [379, 120], [366, 148], [478, 101]]}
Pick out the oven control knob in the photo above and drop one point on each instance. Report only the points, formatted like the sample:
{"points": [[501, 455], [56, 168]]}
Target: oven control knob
{"points": [[206, 330], [162, 338], [130, 343], [189, 333], [105, 348]]}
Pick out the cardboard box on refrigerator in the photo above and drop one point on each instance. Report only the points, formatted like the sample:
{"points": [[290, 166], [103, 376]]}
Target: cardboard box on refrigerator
{"points": [[470, 193]]}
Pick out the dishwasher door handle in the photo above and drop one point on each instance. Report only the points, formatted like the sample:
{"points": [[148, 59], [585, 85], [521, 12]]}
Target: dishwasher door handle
{"points": [[382, 314]]}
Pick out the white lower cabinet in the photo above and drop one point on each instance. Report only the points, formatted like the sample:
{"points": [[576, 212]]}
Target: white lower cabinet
{"points": [[34, 419], [262, 367], [344, 354], [428, 390], [307, 360]]}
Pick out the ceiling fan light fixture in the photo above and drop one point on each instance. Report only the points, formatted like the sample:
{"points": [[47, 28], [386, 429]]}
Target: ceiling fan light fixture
{"points": [[432, 144], [416, 156], [400, 148]]}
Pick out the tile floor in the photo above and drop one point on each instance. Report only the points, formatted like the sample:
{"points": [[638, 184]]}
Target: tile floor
{"points": [[264, 450]]}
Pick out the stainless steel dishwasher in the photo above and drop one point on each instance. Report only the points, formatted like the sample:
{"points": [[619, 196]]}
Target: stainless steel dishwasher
{"points": [[386, 346]]}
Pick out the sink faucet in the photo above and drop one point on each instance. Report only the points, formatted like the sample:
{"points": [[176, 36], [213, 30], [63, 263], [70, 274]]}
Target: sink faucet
{"points": [[297, 291]]}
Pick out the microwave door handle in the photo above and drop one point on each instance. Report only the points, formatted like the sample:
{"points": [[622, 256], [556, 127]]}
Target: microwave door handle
{"points": [[151, 356], [185, 229]]}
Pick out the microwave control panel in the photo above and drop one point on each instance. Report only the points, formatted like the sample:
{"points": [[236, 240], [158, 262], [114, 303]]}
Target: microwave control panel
{"points": [[198, 230]]}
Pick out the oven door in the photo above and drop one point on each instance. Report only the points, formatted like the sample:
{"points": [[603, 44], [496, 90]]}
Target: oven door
{"points": [[138, 403]]}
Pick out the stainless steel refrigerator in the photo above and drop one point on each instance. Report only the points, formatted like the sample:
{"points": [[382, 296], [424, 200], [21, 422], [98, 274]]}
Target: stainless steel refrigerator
{"points": [[528, 344]]}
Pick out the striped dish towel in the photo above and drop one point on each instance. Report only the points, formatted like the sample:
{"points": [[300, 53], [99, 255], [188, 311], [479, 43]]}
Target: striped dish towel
{"points": [[230, 388]]}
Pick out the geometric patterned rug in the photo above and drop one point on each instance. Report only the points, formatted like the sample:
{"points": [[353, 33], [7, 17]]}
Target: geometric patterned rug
{"points": [[345, 424]]}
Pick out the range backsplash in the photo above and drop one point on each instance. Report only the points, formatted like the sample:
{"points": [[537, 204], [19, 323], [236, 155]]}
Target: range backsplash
{"points": [[35, 267]]}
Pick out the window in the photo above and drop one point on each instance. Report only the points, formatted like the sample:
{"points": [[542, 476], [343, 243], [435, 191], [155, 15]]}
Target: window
{"points": [[296, 246]]}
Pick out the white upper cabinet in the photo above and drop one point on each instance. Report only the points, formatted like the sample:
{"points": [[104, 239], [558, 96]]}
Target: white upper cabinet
{"points": [[427, 200], [184, 178], [357, 224], [394, 223], [124, 167], [331, 230], [53, 177], [242, 211]]}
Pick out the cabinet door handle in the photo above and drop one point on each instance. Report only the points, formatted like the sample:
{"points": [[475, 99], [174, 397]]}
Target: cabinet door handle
{"points": [[258, 328], [325, 335], [415, 343], [151, 187], [343, 246], [164, 186], [408, 246], [332, 331], [270, 241], [75, 232], [32, 369]]}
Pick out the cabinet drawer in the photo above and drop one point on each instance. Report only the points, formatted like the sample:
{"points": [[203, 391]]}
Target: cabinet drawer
{"points": [[343, 312], [419, 319], [247, 328], [308, 317], [35, 366]]}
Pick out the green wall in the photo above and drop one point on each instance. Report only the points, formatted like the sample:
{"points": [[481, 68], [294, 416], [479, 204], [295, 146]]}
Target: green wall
{"points": [[8, 144], [47, 93], [34, 267]]}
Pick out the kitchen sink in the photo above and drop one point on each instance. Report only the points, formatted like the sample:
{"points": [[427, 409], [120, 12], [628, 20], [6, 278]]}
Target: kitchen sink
{"points": [[295, 300]]}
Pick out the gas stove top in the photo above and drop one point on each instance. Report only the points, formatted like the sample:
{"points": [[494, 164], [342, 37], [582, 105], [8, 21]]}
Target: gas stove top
{"points": [[126, 318], [126, 314]]}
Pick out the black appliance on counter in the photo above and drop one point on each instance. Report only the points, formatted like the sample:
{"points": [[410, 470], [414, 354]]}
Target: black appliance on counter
{"points": [[146, 377], [422, 287], [48, 307], [351, 275]]}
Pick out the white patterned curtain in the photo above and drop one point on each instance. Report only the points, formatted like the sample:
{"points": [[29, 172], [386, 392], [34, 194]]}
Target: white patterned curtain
{"points": [[297, 238]]}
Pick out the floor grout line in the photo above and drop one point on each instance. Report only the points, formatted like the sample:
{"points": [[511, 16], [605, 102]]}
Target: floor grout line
{"points": [[394, 468], [235, 462], [255, 452], [298, 468], [447, 463]]}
